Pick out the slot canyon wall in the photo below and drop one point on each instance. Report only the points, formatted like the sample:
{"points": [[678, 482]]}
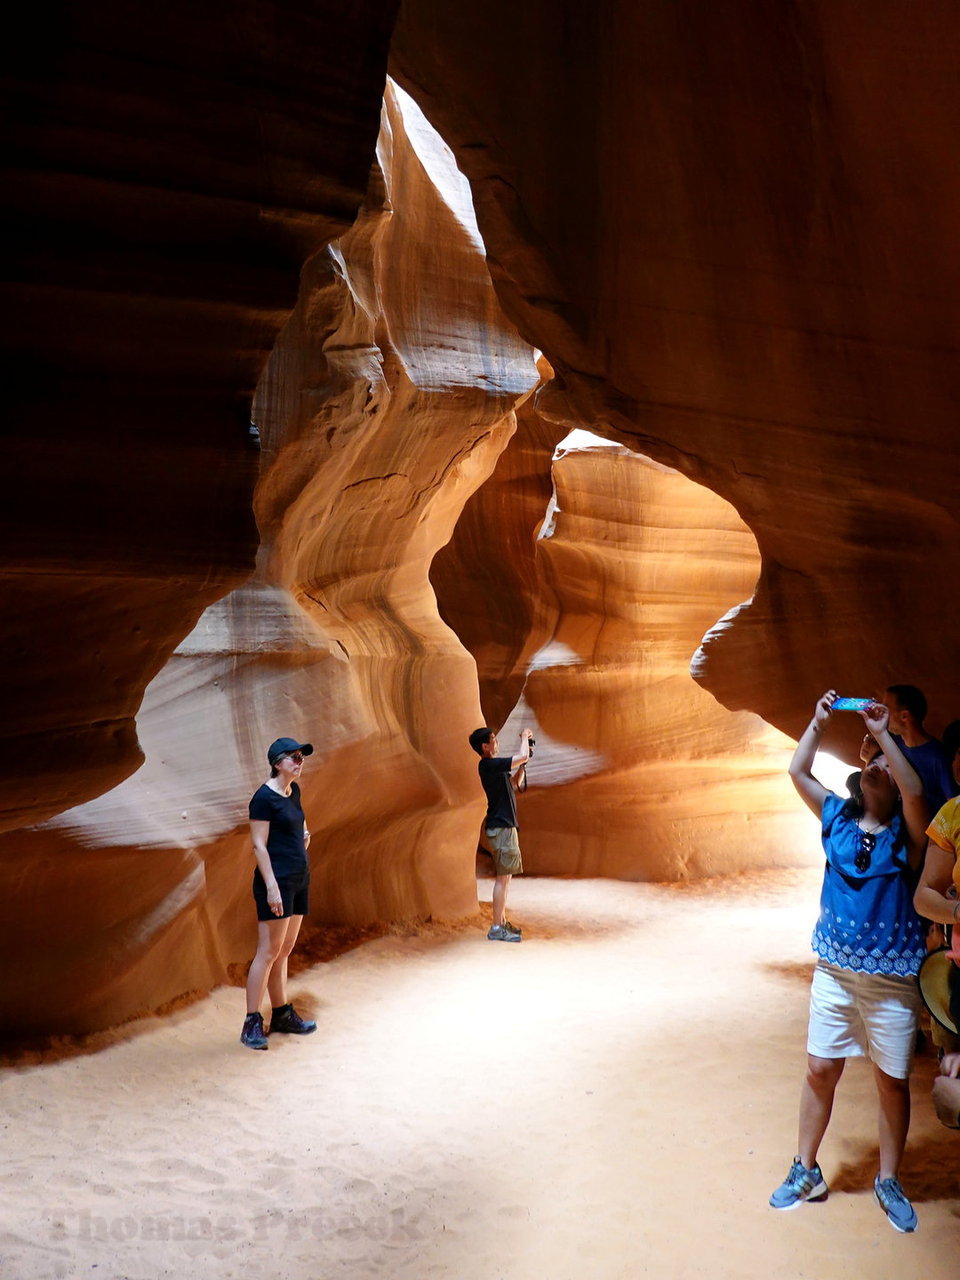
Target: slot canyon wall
{"points": [[730, 232], [166, 175], [638, 772], [385, 402]]}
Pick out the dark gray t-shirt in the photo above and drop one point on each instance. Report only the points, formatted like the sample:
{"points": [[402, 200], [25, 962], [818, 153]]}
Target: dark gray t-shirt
{"points": [[288, 854], [501, 805]]}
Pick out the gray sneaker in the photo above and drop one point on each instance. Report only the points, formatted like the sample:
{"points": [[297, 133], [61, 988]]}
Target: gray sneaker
{"points": [[895, 1204], [800, 1184], [503, 933]]}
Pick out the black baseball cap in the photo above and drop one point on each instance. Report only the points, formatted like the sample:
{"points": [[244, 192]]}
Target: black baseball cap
{"points": [[284, 746]]}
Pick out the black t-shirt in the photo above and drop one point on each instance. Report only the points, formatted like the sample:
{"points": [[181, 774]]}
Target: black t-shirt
{"points": [[288, 854], [501, 806]]}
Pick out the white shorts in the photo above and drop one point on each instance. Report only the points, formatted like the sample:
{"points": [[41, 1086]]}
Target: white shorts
{"points": [[871, 1015]]}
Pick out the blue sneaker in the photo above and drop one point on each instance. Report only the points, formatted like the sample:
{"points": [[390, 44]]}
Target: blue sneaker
{"points": [[895, 1204], [800, 1184], [253, 1034]]}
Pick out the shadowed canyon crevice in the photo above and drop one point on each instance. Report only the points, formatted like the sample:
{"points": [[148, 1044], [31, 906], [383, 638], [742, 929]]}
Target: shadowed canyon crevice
{"points": [[731, 235]]}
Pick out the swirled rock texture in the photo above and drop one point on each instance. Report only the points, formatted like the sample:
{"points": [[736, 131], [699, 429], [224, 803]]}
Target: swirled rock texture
{"points": [[733, 237], [167, 173], [386, 401], [638, 773], [488, 578], [732, 234]]}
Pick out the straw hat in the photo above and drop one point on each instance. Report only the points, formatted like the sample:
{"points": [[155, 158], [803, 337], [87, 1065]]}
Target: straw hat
{"points": [[939, 980]]}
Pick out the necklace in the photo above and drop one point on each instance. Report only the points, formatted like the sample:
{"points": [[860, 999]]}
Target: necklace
{"points": [[871, 830]]}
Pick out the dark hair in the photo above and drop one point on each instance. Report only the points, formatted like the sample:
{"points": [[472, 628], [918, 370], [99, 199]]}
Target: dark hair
{"points": [[478, 738], [853, 805], [909, 698]]}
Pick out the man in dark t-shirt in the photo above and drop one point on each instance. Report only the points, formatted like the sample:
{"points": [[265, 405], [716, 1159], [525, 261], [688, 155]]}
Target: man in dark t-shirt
{"points": [[500, 826], [908, 710]]}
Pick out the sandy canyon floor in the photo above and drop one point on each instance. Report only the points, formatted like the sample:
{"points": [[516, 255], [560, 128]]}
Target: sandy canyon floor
{"points": [[614, 1097]]}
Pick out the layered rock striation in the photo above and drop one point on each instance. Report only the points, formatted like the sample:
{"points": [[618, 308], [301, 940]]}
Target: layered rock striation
{"points": [[386, 401], [731, 232], [166, 175], [638, 772], [732, 237]]}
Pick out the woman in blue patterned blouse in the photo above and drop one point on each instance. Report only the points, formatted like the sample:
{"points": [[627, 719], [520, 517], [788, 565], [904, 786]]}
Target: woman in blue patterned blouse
{"points": [[869, 941]]}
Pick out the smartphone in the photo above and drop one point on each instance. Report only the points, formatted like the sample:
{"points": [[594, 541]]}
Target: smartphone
{"points": [[851, 704]]}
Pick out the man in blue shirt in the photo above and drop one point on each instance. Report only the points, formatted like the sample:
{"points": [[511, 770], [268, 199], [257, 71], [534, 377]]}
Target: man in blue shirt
{"points": [[908, 710]]}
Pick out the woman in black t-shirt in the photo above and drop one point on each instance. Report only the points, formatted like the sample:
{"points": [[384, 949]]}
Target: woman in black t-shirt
{"points": [[281, 888]]}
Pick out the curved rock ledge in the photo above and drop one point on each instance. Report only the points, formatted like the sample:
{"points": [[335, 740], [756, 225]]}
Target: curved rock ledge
{"points": [[734, 241], [385, 403], [638, 772]]}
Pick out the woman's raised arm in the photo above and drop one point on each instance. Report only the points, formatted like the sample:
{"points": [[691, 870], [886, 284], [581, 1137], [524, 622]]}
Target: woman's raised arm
{"points": [[812, 792]]}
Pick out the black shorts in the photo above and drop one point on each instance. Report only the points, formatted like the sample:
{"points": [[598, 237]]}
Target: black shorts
{"points": [[294, 893]]}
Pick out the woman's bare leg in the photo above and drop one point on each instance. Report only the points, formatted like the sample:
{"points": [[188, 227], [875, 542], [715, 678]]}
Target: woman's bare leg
{"points": [[277, 979], [271, 935], [816, 1104], [894, 1121]]}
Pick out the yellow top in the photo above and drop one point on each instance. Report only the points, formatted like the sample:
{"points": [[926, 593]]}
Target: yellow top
{"points": [[944, 831]]}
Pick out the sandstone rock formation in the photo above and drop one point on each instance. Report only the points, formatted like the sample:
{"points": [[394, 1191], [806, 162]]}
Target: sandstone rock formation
{"points": [[731, 232], [386, 401], [638, 773], [167, 172], [489, 583]]}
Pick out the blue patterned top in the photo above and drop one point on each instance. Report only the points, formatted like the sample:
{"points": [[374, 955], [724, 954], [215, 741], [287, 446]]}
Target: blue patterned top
{"points": [[867, 921]]}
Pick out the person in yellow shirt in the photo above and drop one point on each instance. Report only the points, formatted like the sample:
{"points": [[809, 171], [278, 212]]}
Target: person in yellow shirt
{"points": [[938, 893]]}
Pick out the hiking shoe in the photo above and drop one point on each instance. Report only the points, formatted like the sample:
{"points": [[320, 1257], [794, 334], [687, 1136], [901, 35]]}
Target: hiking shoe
{"points": [[286, 1020], [503, 933], [253, 1035], [800, 1184], [514, 928], [895, 1204]]}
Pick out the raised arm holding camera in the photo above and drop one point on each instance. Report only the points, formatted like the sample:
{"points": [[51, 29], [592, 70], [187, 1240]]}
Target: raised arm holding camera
{"points": [[500, 826], [870, 943]]}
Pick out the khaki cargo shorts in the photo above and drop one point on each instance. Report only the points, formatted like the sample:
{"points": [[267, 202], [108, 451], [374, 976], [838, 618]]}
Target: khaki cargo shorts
{"points": [[504, 847]]}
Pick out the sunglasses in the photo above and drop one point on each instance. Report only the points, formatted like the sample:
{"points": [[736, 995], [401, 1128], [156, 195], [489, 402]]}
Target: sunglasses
{"points": [[865, 847], [295, 756]]}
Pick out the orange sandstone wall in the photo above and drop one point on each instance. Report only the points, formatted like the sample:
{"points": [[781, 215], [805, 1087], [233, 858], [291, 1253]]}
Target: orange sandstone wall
{"points": [[638, 772], [167, 172], [489, 584], [731, 230], [386, 401]]}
